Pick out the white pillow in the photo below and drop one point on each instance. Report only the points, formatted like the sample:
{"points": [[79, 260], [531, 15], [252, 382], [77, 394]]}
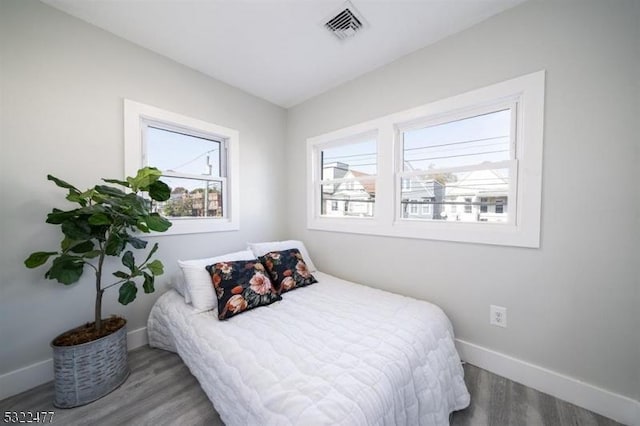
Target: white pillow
{"points": [[198, 281], [260, 249], [177, 282]]}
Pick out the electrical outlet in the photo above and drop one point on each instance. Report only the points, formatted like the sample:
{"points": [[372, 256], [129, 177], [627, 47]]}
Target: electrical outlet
{"points": [[498, 315]]}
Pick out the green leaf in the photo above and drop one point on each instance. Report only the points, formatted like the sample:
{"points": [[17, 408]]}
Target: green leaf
{"points": [[132, 183], [127, 293], [159, 191], [99, 219], [153, 250], [57, 216], [76, 229], [91, 254], [75, 197], [121, 274], [156, 267], [136, 242], [83, 247], [147, 286], [142, 226], [97, 198], [137, 204], [99, 232], [144, 178], [65, 243], [66, 269], [38, 258], [61, 183], [109, 190], [89, 193], [128, 260], [155, 222], [116, 181], [115, 245]]}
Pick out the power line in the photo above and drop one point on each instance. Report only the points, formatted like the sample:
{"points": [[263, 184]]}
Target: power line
{"points": [[458, 155], [457, 142], [458, 148], [192, 160], [350, 155]]}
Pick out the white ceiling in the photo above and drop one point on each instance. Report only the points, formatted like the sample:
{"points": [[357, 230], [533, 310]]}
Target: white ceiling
{"points": [[278, 49]]}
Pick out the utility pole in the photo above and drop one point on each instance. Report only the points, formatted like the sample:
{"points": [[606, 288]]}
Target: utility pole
{"points": [[206, 188]]}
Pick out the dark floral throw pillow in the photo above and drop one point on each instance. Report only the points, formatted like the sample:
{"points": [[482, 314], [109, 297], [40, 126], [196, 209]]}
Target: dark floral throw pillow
{"points": [[287, 270], [240, 286]]}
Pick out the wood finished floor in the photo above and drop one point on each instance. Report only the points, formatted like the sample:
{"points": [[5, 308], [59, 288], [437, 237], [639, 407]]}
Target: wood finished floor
{"points": [[162, 391]]}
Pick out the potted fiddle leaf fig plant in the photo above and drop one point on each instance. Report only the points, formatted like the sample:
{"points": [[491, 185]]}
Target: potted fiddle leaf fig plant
{"points": [[91, 360]]}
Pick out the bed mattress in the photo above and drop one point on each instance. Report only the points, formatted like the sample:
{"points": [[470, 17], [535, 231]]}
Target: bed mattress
{"points": [[333, 353]]}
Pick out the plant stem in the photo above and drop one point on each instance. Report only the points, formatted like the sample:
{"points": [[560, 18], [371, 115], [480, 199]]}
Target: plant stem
{"points": [[99, 291], [111, 285]]}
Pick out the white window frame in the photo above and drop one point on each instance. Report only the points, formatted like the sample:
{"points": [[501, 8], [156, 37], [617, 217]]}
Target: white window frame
{"points": [[525, 94], [138, 116], [315, 168], [222, 178], [452, 116]]}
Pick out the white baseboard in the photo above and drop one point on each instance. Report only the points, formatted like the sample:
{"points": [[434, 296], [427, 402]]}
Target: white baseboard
{"points": [[22, 379], [137, 338], [615, 406], [14, 382]]}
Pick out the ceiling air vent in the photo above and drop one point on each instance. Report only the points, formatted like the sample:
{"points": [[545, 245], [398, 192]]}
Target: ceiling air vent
{"points": [[345, 23]]}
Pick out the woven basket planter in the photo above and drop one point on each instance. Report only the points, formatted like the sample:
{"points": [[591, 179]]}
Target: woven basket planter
{"points": [[86, 372]]}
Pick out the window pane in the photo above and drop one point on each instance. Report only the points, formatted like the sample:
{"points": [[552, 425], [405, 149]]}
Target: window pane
{"points": [[352, 198], [175, 152], [187, 198], [349, 160], [458, 143], [483, 195]]}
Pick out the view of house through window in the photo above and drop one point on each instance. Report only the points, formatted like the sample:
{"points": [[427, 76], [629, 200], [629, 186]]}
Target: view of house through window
{"points": [[463, 162], [193, 167], [348, 175], [465, 168]]}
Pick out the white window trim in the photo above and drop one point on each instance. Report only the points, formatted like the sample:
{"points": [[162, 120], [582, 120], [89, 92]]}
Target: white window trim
{"points": [[522, 231], [145, 124], [315, 168], [136, 114]]}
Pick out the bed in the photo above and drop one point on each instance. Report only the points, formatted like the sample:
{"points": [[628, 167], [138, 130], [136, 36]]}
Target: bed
{"points": [[333, 353]]}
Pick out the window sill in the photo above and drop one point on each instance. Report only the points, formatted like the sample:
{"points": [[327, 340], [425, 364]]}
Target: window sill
{"points": [[479, 233], [199, 226]]}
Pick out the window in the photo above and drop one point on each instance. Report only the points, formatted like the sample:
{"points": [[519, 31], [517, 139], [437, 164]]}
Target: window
{"points": [[348, 171], [467, 206], [192, 166], [483, 205], [468, 155], [480, 150], [198, 160], [414, 207]]}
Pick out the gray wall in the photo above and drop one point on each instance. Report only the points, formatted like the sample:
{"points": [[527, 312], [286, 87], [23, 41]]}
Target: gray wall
{"points": [[62, 86], [573, 305]]}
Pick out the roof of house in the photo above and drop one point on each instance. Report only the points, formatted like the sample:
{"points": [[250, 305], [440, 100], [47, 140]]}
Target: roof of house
{"points": [[369, 186]]}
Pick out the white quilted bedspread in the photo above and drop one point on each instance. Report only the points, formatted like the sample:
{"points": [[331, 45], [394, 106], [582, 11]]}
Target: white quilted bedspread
{"points": [[333, 353]]}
